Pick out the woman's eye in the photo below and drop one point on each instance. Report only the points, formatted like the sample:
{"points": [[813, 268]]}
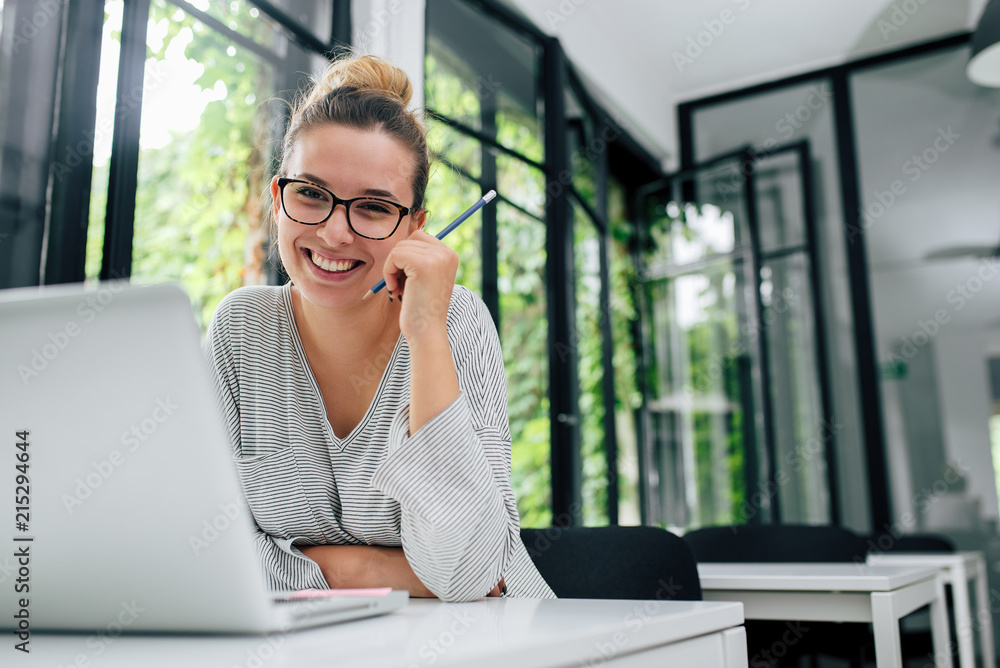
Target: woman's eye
{"points": [[375, 208], [311, 193]]}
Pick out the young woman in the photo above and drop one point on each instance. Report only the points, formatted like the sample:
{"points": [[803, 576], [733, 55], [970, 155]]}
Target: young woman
{"points": [[371, 436]]}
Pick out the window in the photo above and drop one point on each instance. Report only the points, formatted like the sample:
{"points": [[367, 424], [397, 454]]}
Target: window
{"points": [[492, 114], [190, 103]]}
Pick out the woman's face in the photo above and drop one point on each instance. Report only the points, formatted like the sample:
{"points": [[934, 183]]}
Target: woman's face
{"points": [[329, 264]]}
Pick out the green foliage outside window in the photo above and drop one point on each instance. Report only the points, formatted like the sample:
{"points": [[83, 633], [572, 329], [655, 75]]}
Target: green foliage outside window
{"points": [[198, 212]]}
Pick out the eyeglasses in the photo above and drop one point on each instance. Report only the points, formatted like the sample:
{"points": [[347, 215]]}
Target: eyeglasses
{"points": [[368, 217]]}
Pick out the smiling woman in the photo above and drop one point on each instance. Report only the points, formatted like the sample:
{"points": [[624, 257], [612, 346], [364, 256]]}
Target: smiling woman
{"points": [[371, 436]]}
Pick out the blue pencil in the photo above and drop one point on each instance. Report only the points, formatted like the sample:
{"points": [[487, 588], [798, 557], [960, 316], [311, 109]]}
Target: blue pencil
{"points": [[443, 233]]}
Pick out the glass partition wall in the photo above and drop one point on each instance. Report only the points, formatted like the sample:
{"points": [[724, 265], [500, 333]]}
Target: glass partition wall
{"points": [[506, 112], [735, 385]]}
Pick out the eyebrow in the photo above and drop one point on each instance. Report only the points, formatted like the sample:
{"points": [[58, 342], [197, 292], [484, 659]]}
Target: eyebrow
{"points": [[367, 192]]}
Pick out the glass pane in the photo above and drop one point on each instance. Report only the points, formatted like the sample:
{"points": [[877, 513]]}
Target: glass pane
{"points": [[451, 146], [805, 111], [483, 74], [780, 204], [524, 337], [703, 377], [107, 87], [448, 195], [313, 16], [519, 128], [204, 157], [624, 316], [590, 364], [801, 435], [521, 183], [697, 411]]}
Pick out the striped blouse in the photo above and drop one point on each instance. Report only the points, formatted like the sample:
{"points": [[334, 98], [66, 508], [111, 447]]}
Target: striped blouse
{"points": [[443, 494]]}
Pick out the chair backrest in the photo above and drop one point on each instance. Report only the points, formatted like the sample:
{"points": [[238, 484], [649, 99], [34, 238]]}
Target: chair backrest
{"points": [[911, 542], [614, 562], [776, 543]]}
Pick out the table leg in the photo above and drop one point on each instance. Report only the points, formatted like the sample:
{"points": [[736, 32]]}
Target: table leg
{"points": [[959, 579], [734, 645], [984, 619], [885, 625], [939, 628]]}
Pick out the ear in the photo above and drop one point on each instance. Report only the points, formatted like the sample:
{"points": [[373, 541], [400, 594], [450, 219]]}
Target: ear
{"points": [[275, 198], [417, 220]]}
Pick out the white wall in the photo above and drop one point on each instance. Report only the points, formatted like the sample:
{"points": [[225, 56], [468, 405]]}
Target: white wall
{"points": [[393, 29]]}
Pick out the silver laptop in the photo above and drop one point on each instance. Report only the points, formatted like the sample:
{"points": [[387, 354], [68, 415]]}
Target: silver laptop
{"points": [[120, 502]]}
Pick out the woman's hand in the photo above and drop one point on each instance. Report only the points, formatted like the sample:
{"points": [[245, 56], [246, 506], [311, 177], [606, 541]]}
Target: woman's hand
{"points": [[422, 269]]}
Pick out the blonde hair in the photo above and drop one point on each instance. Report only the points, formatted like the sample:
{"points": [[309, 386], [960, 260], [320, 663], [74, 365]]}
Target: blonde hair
{"points": [[367, 93]]}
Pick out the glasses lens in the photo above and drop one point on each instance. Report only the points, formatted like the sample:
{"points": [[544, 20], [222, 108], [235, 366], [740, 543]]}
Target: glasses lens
{"points": [[374, 218], [306, 203]]}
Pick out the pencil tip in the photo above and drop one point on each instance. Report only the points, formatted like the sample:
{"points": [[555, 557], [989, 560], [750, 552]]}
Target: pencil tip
{"points": [[367, 295]]}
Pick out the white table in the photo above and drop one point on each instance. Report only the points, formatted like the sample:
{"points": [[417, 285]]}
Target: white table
{"points": [[497, 632], [836, 592], [956, 569]]}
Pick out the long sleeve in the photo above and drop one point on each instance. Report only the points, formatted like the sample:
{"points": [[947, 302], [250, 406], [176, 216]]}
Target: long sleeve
{"points": [[452, 477], [282, 564]]}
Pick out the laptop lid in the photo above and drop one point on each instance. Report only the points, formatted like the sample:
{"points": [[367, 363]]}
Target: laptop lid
{"points": [[124, 510]]}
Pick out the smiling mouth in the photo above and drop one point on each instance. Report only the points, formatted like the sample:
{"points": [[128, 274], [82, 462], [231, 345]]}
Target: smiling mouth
{"points": [[333, 266]]}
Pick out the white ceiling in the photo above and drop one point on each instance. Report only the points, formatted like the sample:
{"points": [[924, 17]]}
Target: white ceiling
{"points": [[632, 51]]}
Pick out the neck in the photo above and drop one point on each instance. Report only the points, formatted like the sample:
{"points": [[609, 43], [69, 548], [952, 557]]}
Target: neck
{"points": [[353, 332]]}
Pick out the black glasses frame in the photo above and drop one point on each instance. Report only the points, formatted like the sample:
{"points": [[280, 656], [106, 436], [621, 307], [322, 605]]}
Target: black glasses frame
{"points": [[403, 210]]}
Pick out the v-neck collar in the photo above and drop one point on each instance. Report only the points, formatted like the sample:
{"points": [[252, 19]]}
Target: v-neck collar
{"points": [[300, 351]]}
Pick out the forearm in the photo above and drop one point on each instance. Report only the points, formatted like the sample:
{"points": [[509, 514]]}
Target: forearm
{"points": [[363, 566], [433, 379]]}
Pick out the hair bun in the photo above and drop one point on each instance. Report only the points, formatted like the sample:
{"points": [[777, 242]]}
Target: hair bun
{"points": [[363, 72]]}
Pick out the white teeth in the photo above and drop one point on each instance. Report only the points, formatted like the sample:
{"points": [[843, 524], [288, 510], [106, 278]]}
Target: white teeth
{"points": [[332, 265]]}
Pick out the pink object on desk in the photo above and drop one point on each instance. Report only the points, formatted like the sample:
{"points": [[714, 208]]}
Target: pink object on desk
{"points": [[328, 593]]}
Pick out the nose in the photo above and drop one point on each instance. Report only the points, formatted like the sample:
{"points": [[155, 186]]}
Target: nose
{"points": [[336, 231]]}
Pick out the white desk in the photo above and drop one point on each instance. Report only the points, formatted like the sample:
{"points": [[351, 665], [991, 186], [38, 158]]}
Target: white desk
{"points": [[956, 569], [836, 592], [498, 632]]}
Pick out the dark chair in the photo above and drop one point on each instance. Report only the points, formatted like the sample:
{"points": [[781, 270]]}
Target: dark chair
{"points": [[909, 542], [614, 562], [786, 543], [778, 543]]}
